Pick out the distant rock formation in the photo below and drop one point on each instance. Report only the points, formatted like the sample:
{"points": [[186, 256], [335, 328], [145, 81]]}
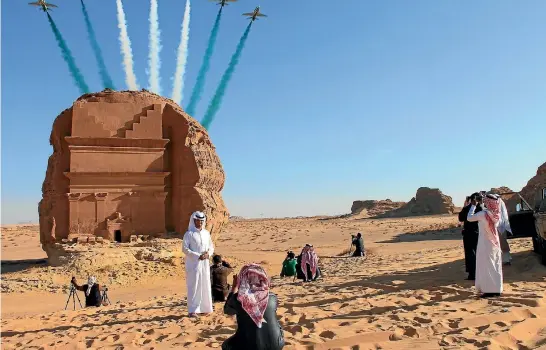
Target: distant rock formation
{"points": [[427, 201], [374, 207], [500, 190]]}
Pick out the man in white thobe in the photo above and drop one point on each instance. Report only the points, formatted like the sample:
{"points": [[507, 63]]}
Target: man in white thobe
{"points": [[198, 247]]}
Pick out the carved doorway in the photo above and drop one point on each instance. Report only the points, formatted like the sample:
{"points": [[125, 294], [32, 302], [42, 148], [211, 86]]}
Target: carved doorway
{"points": [[117, 236]]}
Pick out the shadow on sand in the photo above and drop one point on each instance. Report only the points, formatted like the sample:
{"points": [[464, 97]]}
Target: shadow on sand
{"points": [[21, 265], [447, 234]]}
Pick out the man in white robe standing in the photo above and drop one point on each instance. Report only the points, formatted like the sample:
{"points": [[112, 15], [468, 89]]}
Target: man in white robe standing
{"points": [[198, 247], [488, 254]]}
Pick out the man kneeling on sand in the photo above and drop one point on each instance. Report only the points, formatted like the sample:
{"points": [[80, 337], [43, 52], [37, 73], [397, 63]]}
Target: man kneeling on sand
{"points": [[219, 273], [92, 291], [258, 327]]}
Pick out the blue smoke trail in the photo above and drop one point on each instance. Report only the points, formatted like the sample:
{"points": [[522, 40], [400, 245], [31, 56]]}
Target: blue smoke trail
{"points": [[216, 101], [67, 56], [105, 77], [200, 82]]}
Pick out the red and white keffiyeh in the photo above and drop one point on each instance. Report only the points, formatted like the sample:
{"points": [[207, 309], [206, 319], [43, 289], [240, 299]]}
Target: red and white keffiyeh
{"points": [[253, 292], [309, 256], [493, 215]]}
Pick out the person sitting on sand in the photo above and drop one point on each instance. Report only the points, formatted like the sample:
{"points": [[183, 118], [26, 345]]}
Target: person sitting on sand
{"points": [[219, 273], [488, 253], [92, 291], [256, 310], [307, 264], [289, 265], [358, 242]]}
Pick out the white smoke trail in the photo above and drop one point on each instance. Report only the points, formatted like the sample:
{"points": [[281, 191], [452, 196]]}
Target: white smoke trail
{"points": [[155, 47], [178, 84], [130, 78]]}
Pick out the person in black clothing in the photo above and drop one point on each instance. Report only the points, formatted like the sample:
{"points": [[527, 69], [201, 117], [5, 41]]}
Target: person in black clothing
{"points": [[256, 310], [470, 236], [358, 242], [219, 273], [92, 291]]}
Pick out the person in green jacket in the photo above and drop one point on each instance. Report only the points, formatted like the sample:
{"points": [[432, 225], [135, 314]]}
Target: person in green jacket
{"points": [[289, 265]]}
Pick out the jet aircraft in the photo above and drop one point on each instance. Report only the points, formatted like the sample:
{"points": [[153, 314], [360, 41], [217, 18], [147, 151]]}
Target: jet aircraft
{"points": [[44, 5], [223, 2], [254, 14]]}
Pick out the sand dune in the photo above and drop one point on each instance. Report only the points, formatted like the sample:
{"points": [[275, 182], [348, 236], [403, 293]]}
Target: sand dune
{"points": [[409, 293]]}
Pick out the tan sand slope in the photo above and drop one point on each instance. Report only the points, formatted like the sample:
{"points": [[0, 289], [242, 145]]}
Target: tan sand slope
{"points": [[409, 293]]}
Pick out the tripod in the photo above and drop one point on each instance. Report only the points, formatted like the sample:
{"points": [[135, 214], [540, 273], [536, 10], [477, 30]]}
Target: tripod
{"points": [[104, 299], [73, 295]]}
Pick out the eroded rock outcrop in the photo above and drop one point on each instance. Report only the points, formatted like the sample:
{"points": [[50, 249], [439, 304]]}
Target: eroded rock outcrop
{"points": [[371, 208], [427, 201], [128, 163]]}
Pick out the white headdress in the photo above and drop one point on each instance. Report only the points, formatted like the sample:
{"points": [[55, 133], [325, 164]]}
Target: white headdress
{"points": [[90, 282], [198, 215]]}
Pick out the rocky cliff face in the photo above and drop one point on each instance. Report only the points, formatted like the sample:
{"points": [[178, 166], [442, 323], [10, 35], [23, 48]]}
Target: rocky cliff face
{"points": [[532, 191], [195, 178]]}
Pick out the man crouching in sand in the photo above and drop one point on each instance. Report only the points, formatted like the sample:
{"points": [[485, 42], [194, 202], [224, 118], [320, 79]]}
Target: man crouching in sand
{"points": [[197, 247]]}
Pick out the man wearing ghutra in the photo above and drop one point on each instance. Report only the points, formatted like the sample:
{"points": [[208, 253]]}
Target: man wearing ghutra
{"points": [[198, 247], [488, 254], [258, 327]]}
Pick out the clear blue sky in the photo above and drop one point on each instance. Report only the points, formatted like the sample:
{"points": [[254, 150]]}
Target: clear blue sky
{"points": [[332, 101]]}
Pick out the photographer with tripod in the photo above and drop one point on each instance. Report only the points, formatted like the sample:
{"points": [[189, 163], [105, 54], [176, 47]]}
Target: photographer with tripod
{"points": [[358, 242], [92, 291]]}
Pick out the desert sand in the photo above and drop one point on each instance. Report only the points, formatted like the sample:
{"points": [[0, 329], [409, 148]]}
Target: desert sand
{"points": [[408, 293]]}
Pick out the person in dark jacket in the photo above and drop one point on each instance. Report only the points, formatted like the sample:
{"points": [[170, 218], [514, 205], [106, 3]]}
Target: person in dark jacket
{"points": [[358, 242], [92, 291], [470, 236], [219, 273], [256, 309]]}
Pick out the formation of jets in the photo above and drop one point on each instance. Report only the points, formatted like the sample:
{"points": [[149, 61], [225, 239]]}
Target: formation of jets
{"points": [[44, 5], [254, 14], [251, 15]]}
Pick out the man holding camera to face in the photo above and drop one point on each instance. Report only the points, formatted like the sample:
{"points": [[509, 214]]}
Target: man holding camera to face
{"points": [[471, 234], [92, 291], [358, 242]]}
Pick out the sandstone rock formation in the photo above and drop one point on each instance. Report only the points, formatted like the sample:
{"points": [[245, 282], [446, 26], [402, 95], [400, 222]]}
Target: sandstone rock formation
{"points": [[127, 163], [370, 208], [427, 201], [532, 191]]}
